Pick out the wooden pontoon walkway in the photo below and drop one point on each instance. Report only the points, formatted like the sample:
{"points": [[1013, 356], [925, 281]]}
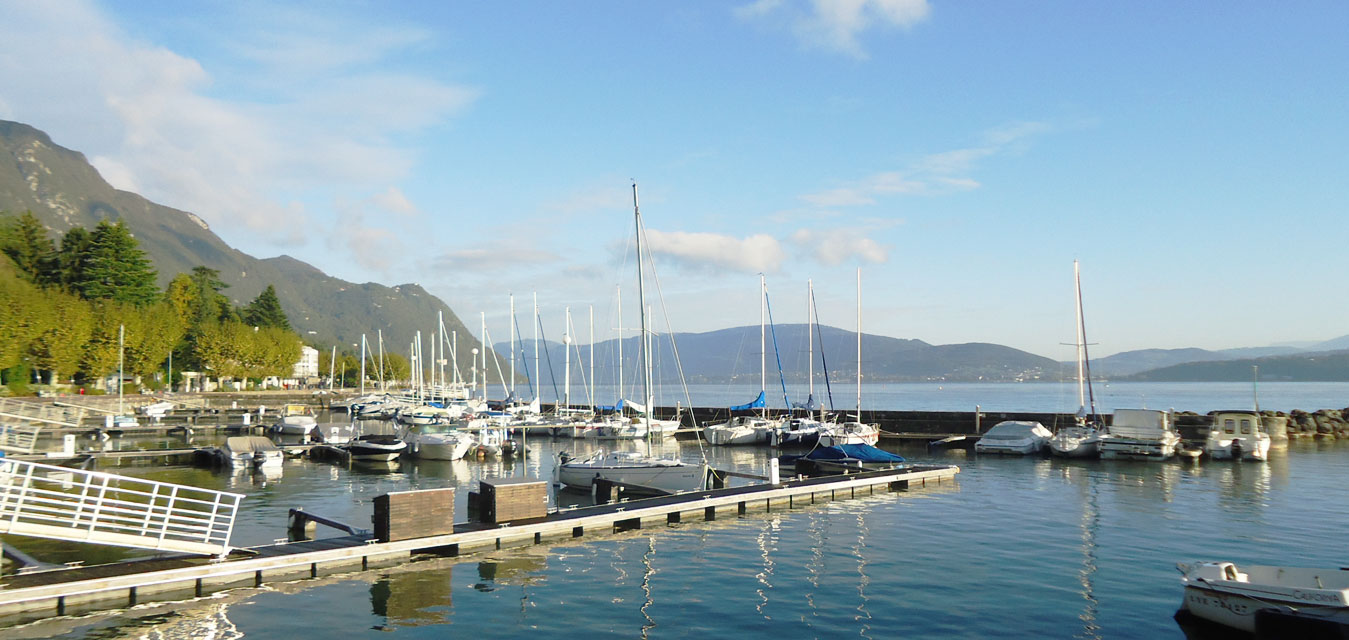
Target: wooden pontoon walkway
{"points": [[31, 596]]}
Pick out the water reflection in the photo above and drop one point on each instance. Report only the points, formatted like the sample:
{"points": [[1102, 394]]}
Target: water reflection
{"points": [[767, 542], [413, 598]]}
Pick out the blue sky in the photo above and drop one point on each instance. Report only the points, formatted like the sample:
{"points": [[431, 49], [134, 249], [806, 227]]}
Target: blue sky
{"points": [[962, 155]]}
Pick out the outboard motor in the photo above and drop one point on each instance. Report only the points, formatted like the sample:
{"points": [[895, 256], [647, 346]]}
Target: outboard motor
{"points": [[563, 457]]}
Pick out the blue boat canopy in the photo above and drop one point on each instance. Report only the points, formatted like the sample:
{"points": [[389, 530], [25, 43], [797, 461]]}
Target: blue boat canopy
{"points": [[809, 405], [863, 452], [612, 407], [757, 404]]}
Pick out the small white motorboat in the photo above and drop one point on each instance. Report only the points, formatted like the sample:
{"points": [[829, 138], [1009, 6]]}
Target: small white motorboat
{"points": [[1014, 437], [295, 420], [1223, 593], [243, 452], [375, 448], [1237, 435], [635, 470], [438, 442], [1140, 434]]}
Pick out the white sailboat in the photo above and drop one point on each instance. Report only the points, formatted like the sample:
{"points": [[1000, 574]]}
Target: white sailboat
{"points": [[1082, 440], [855, 431], [635, 470], [750, 429]]}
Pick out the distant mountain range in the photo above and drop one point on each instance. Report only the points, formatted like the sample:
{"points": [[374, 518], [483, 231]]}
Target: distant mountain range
{"points": [[63, 190], [733, 354], [1302, 364]]}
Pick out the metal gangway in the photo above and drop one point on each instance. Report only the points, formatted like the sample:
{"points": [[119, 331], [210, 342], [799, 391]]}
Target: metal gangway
{"points": [[19, 438], [46, 501], [52, 414]]}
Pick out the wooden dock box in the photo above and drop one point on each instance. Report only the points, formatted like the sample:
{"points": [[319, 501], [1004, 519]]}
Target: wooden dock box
{"points": [[414, 514], [506, 499]]}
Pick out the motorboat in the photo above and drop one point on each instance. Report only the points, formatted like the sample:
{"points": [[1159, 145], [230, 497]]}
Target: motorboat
{"points": [[155, 410], [432, 413], [638, 472], [1014, 437], [1233, 596], [742, 430], [242, 452], [1237, 435], [1143, 434], [846, 458], [375, 448], [295, 420], [438, 442]]}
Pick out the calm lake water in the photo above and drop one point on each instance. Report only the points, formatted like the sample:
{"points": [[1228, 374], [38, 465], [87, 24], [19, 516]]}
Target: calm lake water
{"points": [[1014, 548]]}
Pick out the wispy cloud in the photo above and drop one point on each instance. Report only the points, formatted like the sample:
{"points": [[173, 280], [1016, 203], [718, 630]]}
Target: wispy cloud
{"points": [[935, 174], [833, 247], [152, 120], [753, 254], [836, 25]]}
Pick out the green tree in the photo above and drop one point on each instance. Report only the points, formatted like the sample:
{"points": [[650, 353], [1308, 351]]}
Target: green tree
{"points": [[70, 258], [26, 242], [396, 367], [212, 305], [181, 294], [116, 269], [62, 325], [265, 311], [17, 298]]}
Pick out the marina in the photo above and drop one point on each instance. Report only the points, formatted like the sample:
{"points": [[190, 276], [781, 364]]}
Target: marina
{"points": [[335, 491]]}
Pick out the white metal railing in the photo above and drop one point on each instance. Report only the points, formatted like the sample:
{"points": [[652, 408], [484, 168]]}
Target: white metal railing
{"points": [[19, 438], [62, 415], [47, 501]]}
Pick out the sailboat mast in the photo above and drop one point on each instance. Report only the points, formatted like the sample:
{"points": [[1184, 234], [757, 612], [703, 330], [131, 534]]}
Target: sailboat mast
{"points": [[590, 388], [641, 308], [1082, 329], [620, 341], [810, 344], [763, 346], [859, 345], [121, 360], [566, 359], [1081, 345], [538, 388], [363, 364], [512, 328], [482, 317]]}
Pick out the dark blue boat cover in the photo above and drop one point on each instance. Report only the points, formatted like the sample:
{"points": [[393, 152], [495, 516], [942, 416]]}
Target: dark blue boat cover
{"points": [[863, 452]]}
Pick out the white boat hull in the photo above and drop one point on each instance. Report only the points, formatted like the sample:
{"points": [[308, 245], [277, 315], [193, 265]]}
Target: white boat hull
{"points": [[666, 475], [1071, 443], [1221, 593], [1138, 448], [437, 448]]}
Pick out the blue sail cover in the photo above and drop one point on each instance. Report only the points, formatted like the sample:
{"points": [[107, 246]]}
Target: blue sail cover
{"points": [[809, 405], [757, 404], [612, 407], [863, 452]]}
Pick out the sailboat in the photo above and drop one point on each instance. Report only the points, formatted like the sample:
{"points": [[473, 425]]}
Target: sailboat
{"points": [[637, 471], [853, 431], [750, 429], [1082, 440]]}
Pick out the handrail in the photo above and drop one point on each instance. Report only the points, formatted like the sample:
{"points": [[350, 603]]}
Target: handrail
{"points": [[47, 501]]}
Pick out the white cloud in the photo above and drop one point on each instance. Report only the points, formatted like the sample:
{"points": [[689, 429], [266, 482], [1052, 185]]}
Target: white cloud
{"points": [[316, 122], [758, 253], [836, 25], [838, 246], [935, 174]]}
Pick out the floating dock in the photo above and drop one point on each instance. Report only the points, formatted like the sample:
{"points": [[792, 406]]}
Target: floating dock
{"points": [[29, 596]]}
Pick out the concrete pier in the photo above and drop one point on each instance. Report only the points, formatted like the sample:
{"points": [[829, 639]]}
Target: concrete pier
{"points": [[31, 596]]}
